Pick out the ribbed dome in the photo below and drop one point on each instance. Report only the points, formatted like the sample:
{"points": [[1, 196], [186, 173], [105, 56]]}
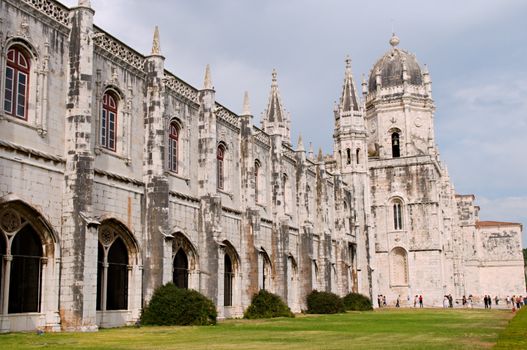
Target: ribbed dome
{"points": [[390, 67]]}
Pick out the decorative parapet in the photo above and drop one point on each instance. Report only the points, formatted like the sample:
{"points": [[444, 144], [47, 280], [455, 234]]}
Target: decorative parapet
{"points": [[180, 87], [31, 151], [261, 136], [227, 116], [52, 9], [116, 48], [118, 177], [289, 154]]}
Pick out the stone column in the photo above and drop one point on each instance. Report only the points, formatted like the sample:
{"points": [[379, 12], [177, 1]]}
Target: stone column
{"points": [[79, 244]]}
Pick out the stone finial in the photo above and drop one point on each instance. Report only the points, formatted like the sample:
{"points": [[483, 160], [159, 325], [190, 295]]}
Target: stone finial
{"points": [[364, 85], [394, 40], [207, 83], [156, 47], [274, 81], [84, 3], [246, 106], [320, 156], [311, 153], [300, 144], [348, 62]]}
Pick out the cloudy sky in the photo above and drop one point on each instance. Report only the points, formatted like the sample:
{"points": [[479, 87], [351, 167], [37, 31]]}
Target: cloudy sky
{"points": [[476, 51]]}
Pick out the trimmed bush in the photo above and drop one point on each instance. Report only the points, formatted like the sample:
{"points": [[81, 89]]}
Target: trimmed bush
{"points": [[357, 302], [176, 306], [267, 305], [324, 303]]}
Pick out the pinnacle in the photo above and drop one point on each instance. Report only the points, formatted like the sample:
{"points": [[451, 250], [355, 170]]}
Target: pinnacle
{"points": [[156, 46], [246, 106], [207, 83], [300, 144]]}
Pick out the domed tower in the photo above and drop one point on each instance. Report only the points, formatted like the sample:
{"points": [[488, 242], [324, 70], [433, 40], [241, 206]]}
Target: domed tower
{"points": [[411, 223], [399, 106]]}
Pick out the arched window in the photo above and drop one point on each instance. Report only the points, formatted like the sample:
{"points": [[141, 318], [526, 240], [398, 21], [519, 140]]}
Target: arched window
{"points": [[396, 150], [357, 155], [112, 270], [397, 215], [292, 281], [16, 88], [220, 158], [227, 282], [265, 272], [256, 180], [108, 125], [180, 274], [173, 147], [348, 156], [25, 277], [398, 267]]}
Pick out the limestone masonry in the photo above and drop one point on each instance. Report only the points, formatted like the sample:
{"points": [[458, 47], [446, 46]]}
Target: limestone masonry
{"points": [[117, 177]]}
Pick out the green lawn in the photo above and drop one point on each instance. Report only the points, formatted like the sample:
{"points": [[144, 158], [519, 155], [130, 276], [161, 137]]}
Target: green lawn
{"points": [[386, 329]]}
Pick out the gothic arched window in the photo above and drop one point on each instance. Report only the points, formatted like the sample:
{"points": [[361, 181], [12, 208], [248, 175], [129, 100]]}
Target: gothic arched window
{"points": [[357, 155], [25, 276], [348, 156], [396, 149], [256, 180], [227, 282], [16, 88], [397, 215], [180, 274], [173, 147], [108, 127], [220, 159]]}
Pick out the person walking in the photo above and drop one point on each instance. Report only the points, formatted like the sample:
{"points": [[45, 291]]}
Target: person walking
{"points": [[485, 301], [508, 299], [398, 303], [415, 300], [384, 300], [464, 301], [496, 300], [420, 301], [450, 301]]}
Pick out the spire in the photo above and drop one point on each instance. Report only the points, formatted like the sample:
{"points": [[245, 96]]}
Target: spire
{"points": [[311, 153], [320, 157], [300, 144], [156, 47], [207, 83], [275, 111], [246, 106], [275, 120], [348, 99]]}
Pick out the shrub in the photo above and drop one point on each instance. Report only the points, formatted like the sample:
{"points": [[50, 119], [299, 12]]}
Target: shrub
{"points": [[324, 303], [357, 302], [176, 306], [267, 305]]}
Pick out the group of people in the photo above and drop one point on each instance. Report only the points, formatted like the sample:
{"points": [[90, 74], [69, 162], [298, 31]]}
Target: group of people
{"points": [[381, 300], [448, 301], [487, 300], [516, 301]]}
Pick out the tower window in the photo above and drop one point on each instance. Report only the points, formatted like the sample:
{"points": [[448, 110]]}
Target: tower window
{"points": [[16, 88], [348, 156], [357, 155], [220, 157], [108, 121], [396, 150], [256, 179], [173, 143], [397, 216]]}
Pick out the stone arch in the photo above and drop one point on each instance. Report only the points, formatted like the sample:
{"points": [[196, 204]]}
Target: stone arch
{"points": [[231, 267], [28, 251], [398, 267], [118, 254], [396, 207], [265, 270], [184, 251]]}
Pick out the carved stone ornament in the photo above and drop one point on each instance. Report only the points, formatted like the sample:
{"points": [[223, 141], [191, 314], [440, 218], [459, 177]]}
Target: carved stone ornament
{"points": [[10, 221], [106, 236]]}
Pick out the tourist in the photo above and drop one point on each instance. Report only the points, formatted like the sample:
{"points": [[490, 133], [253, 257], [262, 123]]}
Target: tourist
{"points": [[415, 300], [379, 300], [464, 301], [445, 301], [420, 301], [508, 299], [450, 301], [384, 300], [496, 300], [398, 302]]}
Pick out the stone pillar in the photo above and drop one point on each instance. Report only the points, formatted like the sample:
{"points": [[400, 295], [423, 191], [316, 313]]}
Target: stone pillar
{"points": [[79, 243], [156, 182]]}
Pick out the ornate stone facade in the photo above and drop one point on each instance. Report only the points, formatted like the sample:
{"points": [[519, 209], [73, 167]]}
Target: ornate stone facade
{"points": [[117, 176]]}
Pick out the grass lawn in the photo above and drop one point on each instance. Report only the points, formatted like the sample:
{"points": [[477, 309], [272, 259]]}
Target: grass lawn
{"points": [[385, 329]]}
